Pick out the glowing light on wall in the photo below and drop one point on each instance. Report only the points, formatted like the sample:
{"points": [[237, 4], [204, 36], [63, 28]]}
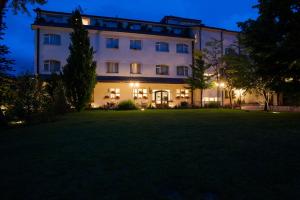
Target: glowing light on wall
{"points": [[134, 84]]}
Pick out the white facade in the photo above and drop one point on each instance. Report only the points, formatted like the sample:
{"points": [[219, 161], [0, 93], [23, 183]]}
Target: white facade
{"points": [[173, 31]]}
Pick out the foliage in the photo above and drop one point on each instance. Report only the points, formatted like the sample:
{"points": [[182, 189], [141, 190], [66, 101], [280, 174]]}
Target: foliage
{"points": [[199, 79], [273, 41], [237, 72], [5, 80], [56, 91], [212, 55], [30, 98], [242, 73], [126, 105], [80, 71]]}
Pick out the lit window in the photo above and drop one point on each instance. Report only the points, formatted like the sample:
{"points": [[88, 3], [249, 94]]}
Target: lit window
{"points": [[182, 93], [182, 71], [162, 46], [162, 70], [112, 43], [52, 66], [112, 67], [135, 68], [114, 93], [182, 48], [52, 39], [140, 93], [136, 44], [86, 21]]}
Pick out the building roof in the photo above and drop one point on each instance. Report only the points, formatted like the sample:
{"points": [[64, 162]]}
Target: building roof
{"points": [[161, 23]]}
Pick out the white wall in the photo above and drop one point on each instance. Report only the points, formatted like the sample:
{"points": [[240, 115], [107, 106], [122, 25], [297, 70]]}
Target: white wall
{"points": [[148, 56]]}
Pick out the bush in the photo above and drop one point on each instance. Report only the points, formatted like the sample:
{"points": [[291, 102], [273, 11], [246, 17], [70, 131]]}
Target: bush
{"points": [[184, 104], [213, 105], [126, 105]]}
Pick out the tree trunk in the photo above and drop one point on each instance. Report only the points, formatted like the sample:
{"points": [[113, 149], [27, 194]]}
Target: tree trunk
{"points": [[266, 106], [230, 99], [2, 7], [192, 98], [201, 98]]}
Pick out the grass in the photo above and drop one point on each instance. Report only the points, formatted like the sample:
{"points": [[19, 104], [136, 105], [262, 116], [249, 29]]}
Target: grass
{"points": [[156, 154]]}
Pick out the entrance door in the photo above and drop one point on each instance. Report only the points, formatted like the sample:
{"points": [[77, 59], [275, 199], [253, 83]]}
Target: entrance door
{"points": [[161, 99]]}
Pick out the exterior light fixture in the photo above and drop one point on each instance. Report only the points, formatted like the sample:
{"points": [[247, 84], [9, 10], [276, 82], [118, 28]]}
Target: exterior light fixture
{"points": [[134, 84], [222, 85]]}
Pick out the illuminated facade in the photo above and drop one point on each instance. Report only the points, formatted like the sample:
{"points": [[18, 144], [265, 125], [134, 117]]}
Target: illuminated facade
{"points": [[145, 61]]}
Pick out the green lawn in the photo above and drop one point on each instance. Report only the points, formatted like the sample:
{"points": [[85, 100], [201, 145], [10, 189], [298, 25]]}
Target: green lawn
{"points": [[154, 155]]}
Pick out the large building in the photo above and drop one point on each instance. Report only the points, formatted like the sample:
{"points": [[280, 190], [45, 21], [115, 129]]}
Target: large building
{"points": [[145, 61]]}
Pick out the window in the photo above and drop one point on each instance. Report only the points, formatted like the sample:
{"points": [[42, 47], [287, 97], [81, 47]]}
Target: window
{"points": [[135, 68], [114, 93], [182, 93], [86, 21], [140, 93], [52, 66], [182, 48], [162, 69], [111, 24], [112, 67], [157, 29], [52, 39], [112, 43], [135, 27], [177, 31], [230, 51], [136, 44], [182, 71], [162, 46]]}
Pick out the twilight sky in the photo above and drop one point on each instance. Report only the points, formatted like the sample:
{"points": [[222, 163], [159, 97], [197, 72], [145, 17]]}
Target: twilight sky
{"points": [[219, 13]]}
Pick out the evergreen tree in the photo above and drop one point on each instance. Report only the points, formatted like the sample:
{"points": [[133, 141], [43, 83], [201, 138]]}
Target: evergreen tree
{"points": [[5, 79], [199, 79], [80, 71]]}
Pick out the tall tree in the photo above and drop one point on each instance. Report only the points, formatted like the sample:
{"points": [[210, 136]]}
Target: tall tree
{"points": [[240, 72], [212, 55], [5, 79], [17, 5], [199, 80], [273, 41], [80, 71], [237, 72]]}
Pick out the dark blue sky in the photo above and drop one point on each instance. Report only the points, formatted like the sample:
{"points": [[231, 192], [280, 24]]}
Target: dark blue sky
{"points": [[219, 13]]}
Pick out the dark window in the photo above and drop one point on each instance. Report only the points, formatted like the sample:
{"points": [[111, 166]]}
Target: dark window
{"points": [[182, 48], [52, 66], [112, 43], [162, 46], [52, 39], [162, 69], [182, 71], [136, 44], [230, 51]]}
